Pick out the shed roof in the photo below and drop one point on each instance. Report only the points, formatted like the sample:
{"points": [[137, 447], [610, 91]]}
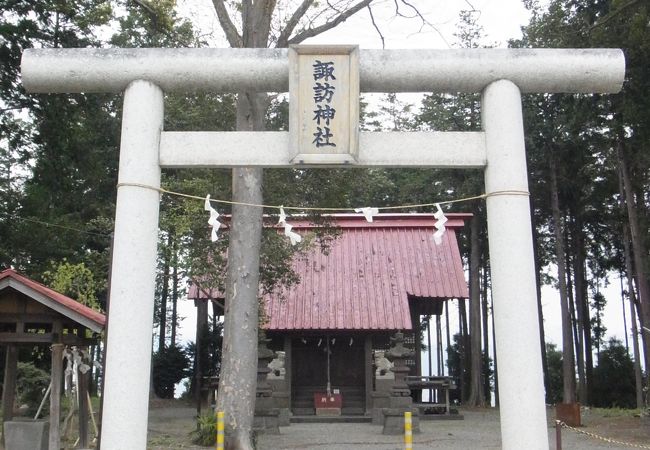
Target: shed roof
{"points": [[368, 275], [60, 303]]}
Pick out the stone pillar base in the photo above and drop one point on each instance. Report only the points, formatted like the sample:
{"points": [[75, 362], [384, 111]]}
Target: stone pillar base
{"points": [[380, 400], [267, 422], [394, 420], [281, 402]]}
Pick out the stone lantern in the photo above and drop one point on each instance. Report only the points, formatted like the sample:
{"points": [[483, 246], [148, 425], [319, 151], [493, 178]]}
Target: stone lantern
{"points": [[400, 400], [266, 415]]}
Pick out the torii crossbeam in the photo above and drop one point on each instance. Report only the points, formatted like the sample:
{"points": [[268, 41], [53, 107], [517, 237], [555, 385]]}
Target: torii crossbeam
{"points": [[501, 75]]}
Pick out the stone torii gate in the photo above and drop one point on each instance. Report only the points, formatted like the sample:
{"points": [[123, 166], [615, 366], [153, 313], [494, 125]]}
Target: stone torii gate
{"points": [[501, 75]]}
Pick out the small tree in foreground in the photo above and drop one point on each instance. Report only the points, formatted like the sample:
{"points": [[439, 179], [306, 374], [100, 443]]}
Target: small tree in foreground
{"points": [[170, 366], [614, 377]]}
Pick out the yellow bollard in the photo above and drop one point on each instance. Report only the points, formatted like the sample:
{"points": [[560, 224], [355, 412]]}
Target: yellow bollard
{"points": [[408, 431], [220, 430]]}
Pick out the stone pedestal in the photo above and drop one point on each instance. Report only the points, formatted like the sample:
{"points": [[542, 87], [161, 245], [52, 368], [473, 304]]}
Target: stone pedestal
{"points": [[399, 399], [266, 418], [394, 420], [281, 402], [380, 400]]}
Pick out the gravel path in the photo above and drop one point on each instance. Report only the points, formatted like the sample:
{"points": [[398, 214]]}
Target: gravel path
{"points": [[478, 430], [169, 428]]}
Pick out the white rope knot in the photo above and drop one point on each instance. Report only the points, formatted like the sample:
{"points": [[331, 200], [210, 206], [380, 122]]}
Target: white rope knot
{"points": [[213, 220], [292, 235]]}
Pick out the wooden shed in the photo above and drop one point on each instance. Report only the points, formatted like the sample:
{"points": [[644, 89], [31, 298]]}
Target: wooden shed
{"points": [[33, 314]]}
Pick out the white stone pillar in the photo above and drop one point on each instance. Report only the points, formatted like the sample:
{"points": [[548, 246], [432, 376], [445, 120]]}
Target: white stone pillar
{"points": [[128, 357], [521, 381]]}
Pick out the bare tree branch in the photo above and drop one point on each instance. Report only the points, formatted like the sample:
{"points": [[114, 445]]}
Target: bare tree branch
{"points": [[338, 11], [310, 32], [374, 24], [399, 13], [424, 21], [417, 13], [234, 39], [291, 25]]}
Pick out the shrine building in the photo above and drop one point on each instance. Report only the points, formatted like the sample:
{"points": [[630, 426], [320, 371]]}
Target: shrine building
{"points": [[373, 280]]}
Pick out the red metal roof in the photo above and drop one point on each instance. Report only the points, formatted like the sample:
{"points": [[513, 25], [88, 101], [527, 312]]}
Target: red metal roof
{"points": [[366, 278], [60, 303]]}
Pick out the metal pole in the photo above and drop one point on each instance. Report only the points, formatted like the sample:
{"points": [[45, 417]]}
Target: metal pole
{"points": [[521, 381], [408, 431], [558, 435], [220, 430], [128, 350], [329, 384]]}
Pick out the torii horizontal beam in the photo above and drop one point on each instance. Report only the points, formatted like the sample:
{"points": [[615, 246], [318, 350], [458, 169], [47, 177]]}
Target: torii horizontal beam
{"points": [[204, 149], [267, 70]]}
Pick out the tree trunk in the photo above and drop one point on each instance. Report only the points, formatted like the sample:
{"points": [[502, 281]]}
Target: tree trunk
{"points": [[476, 396], [200, 353], [239, 365], [575, 327], [582, 305], [540, 310], [623, 310], [576, 314], [163, 296], [463, 350], [638, 252], [486, 340], [174, 324], [494, 352], [638, 374], [568, 377]]}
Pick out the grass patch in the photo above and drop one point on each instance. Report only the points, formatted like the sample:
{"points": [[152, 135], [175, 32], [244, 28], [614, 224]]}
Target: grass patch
{"points": [[616, 412]]}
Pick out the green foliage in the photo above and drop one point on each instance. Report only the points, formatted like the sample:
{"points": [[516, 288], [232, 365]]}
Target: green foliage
{"points": [[206, 430], [75, 281], [170, 365], [554, 374], [55, 151], [154, 24], [31, 385], [598, 330], [614, 384]]}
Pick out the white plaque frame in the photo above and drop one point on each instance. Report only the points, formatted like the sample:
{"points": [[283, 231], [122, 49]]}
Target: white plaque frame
{"points": [[301, 106]]}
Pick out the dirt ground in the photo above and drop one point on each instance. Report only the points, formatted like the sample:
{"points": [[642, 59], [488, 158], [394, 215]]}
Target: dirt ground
{"points": [[170, 424]]}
